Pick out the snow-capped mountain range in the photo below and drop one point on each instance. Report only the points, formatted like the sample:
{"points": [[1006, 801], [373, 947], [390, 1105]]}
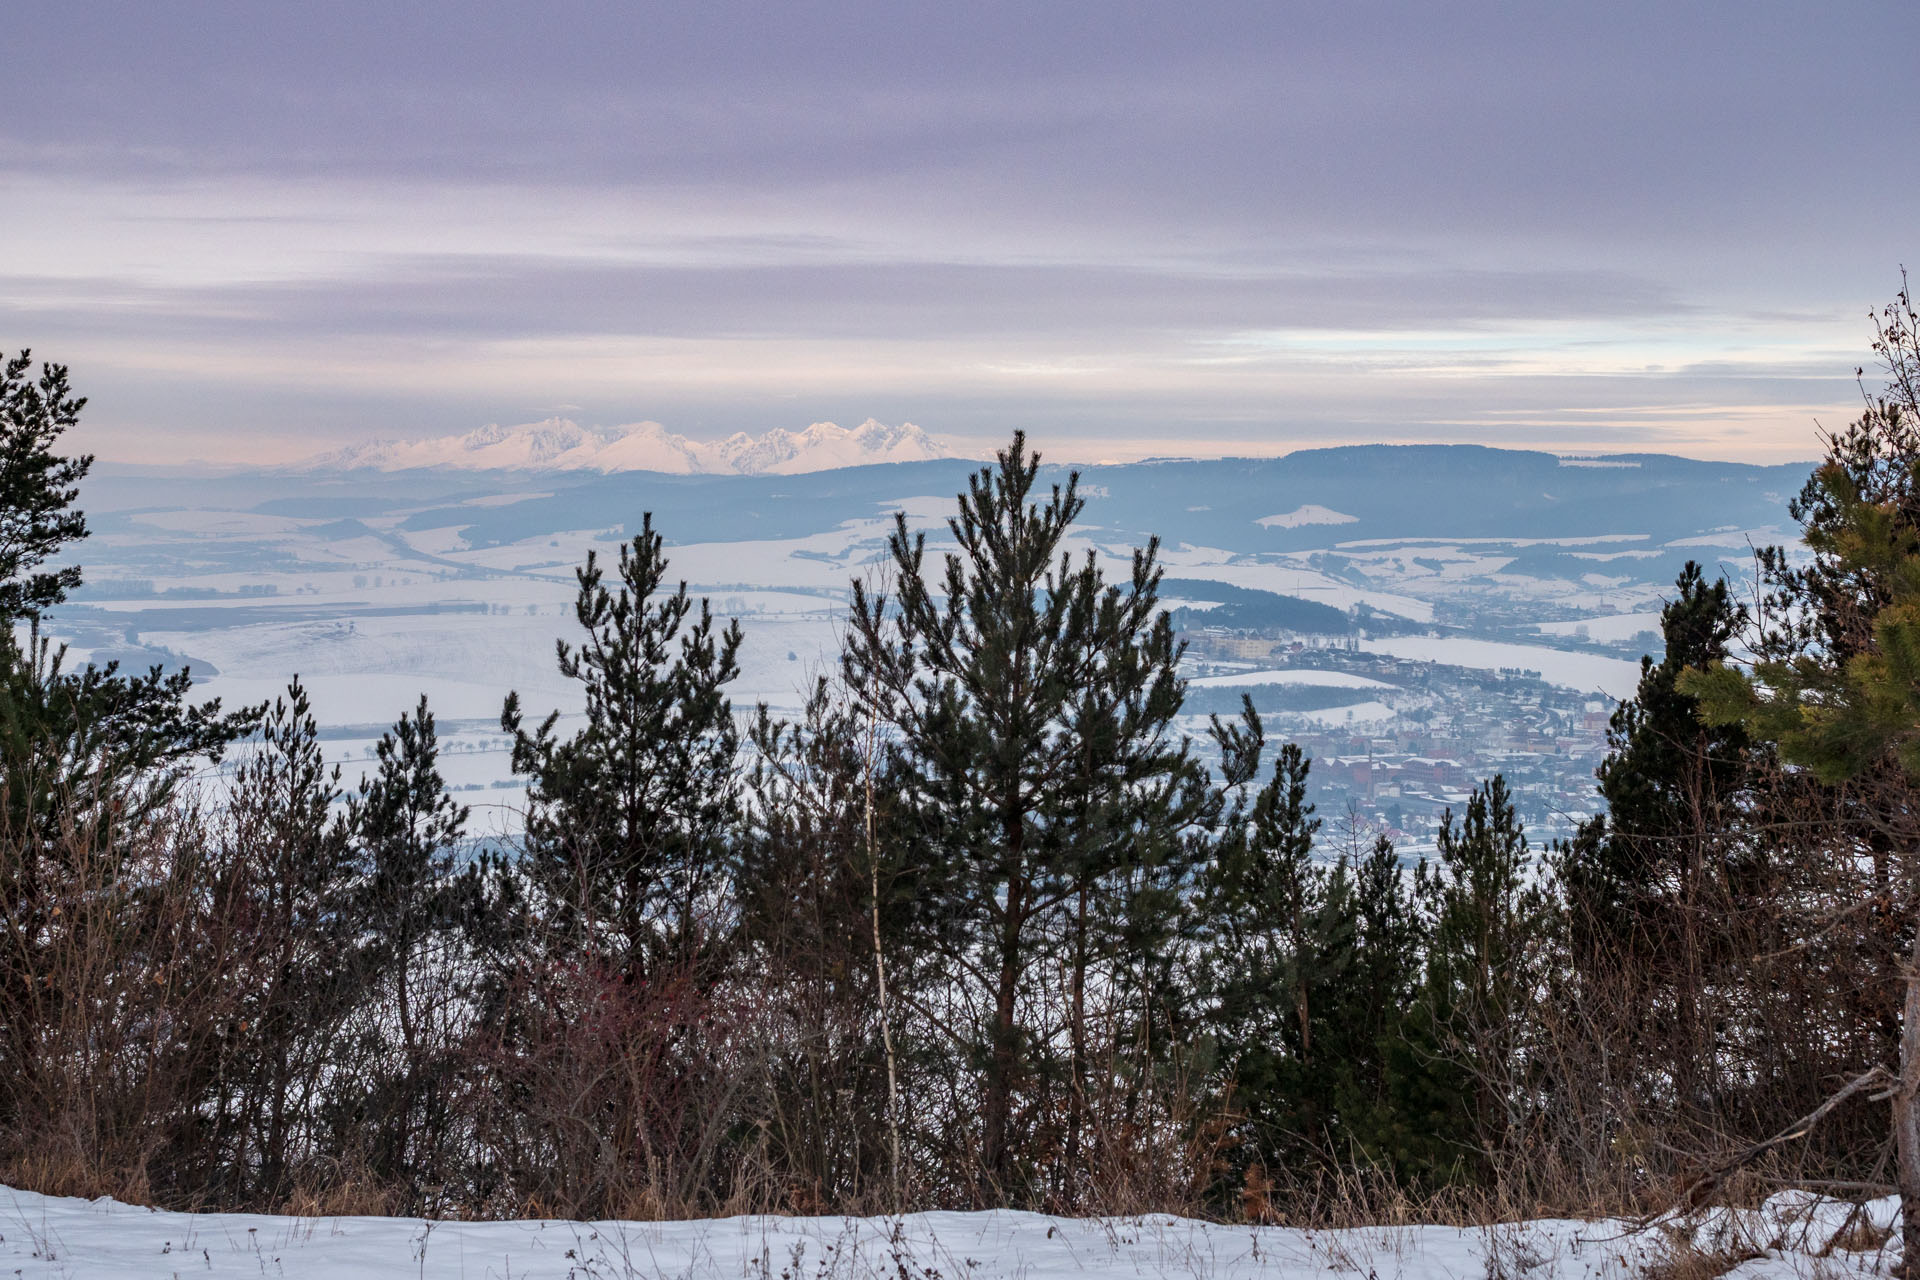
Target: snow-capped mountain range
{"points": [[559, 444]]}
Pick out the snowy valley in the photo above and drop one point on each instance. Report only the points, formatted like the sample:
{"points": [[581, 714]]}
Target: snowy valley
{"points": [[1419, 617]]}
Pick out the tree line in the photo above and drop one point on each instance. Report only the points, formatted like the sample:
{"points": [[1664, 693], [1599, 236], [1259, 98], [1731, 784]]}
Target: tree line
{"points": [[983, 926]]}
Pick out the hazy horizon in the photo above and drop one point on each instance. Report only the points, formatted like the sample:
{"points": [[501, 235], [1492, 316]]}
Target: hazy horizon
{"points": [[1066, 451]]}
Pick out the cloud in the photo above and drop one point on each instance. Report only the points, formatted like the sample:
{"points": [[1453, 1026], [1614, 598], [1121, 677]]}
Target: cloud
{"points": [[476, 296], [1302, 220]]}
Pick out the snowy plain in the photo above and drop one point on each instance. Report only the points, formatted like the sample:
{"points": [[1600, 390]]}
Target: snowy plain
{"points": [[1793, 1235]]}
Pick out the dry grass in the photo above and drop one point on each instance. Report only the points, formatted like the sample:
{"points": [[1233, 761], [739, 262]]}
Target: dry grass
{"points": [[1682, 1259], [1859, 1236]]}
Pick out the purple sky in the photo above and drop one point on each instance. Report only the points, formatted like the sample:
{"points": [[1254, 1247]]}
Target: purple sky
{"points": [[257, 230]]}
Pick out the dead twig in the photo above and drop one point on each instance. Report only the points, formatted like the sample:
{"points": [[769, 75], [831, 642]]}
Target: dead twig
{"points": [[1696, 1192]]}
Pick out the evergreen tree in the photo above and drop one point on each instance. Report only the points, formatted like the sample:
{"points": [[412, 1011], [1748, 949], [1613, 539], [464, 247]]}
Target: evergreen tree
{"points": [[85, 755], [1376, 1090], [1669, 780], [1281, 936], [1835, 688], [407, 826], [834, 920], [415, 908], [38, 488], [627, 820], [91, 750], [290, 857], [1031, 708], [79, 750], [1650, 882], [1484, 957]]}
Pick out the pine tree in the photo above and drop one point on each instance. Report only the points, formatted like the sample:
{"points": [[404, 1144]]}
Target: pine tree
{"points": [[416, 906], [1489, 926], [1670, 779], [88, 749], [38, 488], [1835, 688], [87, 755], [627, 820], [1281, 933], [290, 856], [1368, 1032], [1031, 708], [834, 921], [407, 826], [1650, 883]]}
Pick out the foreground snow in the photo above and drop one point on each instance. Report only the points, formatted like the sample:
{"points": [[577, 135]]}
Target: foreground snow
{"points": [[43, 1236]]}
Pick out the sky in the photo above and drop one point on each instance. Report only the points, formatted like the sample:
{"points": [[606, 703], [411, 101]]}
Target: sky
{"points": [[257, 230]]}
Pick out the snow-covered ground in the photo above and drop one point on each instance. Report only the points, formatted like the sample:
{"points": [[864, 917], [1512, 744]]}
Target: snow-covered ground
{"points": [[1614, 677], [1793, 1236], [1293, 676]]}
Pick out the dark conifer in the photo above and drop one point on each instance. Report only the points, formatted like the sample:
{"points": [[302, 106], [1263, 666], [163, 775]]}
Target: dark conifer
{"points": [[290, 856], [627, 819], [86, 748], [38, 488], [1669, 784], [1651, 883], [1490, 922], [1281, 939], [1367, 1020], [835, 921], [416, 908], [1031, 709]]}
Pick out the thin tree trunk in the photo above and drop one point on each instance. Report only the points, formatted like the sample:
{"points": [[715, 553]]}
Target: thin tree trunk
{"points": [[1000, 1067], [1906, 1126], [880, 973], [1077, 1102]]}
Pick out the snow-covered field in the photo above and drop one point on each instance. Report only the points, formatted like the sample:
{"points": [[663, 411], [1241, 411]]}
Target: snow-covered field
{"points": [[1793, 1236], [1614, 677], [1293, 676]]}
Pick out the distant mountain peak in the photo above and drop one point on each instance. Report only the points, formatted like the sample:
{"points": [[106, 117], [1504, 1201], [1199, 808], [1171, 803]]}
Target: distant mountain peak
{"points": [[560, 444]]}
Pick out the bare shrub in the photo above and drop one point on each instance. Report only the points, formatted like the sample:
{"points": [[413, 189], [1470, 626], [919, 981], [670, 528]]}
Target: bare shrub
{"points": [[605, 1095], [121, 972]]}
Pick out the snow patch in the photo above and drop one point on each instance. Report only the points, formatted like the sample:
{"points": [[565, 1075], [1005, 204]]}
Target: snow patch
{"points": [[1587, 672], [1289, 675], [1311, 514]]}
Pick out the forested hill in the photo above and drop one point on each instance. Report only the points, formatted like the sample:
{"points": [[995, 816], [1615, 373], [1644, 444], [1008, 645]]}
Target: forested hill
{"points": [[1311, 498]]}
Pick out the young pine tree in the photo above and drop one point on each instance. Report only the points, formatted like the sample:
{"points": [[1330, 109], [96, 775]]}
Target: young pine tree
{"points": [[833, 925], [1281, 936], [1490, 921], [38, 488], [87, 750], [289, 856], [627, 820], [416, 907], [1030, 709], [88, 758], [1836, 690], [1376, 1094]]}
